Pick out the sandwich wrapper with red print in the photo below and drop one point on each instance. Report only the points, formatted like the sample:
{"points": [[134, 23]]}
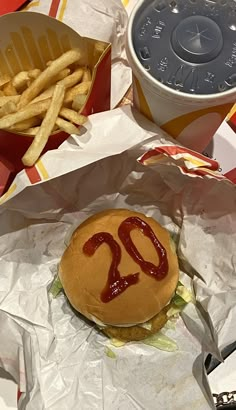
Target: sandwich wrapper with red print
{"points": [[59, 360]]}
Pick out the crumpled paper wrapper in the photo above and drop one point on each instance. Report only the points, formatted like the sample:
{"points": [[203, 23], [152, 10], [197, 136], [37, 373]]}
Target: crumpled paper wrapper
{"points": [[59, 359], [104, 20]]}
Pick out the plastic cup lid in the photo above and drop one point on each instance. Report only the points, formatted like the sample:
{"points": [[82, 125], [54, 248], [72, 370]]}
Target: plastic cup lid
{"points": [[188, 45]]}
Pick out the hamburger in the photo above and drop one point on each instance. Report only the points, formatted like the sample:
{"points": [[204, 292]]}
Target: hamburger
{"points": [[121, 271]]}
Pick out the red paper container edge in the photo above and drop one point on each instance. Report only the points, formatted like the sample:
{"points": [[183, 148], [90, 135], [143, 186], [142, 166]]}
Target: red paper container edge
{"points": [[8, 6], [232, 122]]}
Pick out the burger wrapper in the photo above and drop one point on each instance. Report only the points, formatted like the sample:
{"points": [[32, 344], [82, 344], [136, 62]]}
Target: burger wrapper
{"points": [[30, 39], [58, 359]]}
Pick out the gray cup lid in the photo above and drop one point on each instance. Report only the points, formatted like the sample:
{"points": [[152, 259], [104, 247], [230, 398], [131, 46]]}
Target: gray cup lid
{"points": [[188, 45], [197, 39]]}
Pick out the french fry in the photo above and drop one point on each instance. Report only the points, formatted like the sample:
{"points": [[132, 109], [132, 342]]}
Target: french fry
{"points": [[81, 88], [49, 91], [9, 89], [31, 132], [63, 73], [34, 73], [24, 125], [25, 113], [20, 80], [45, 95], [87, 75], [72, 116], [45, 77], [68, 81], [66, 126], [4, 79], [4, 99], [73, 78], [41, 138], [79, 101], [8, 108]]}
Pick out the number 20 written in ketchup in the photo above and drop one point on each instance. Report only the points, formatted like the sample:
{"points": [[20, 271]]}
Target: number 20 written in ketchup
{"points": [[117, 284]]}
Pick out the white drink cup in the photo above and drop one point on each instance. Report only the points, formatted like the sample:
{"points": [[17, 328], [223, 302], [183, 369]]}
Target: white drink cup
{"points": [[183, 57]]}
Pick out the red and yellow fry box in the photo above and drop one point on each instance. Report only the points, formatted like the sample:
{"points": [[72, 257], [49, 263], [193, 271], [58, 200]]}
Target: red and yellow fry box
{"points": [[232, 118], [6, 174], [29, 40], [9, 6]]}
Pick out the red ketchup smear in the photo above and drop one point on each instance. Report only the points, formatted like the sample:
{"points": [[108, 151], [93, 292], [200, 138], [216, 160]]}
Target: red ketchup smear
{"points": [[158, 272], [115, 283]]}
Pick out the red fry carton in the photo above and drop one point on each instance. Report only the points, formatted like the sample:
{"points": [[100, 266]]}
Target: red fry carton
{"points": [[232, 118], [29, 40]]}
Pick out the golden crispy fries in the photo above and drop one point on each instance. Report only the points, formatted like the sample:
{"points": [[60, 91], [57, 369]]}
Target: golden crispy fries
{"points": [[68, 81], [20, 80], [79, 101], [4, 79], [66, 126], [38, 103], [87, 75], [31, 132], [81, 88], [8, 108], [34, 73], [4, 99], [29, 111], [73, 78], [45, 77], [72, 116], [63, 73], [46, 94], [23, 125], [9, 89], [41, 138]]}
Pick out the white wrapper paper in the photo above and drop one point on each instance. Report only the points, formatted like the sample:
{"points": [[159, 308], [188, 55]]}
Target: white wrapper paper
{"points": [[103, 20], [59, 359]]}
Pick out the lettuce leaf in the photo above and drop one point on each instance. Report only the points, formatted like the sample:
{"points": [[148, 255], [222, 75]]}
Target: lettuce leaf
{"points": [[181, 298], [56, 287], [109, 353], [185, 294], [162, 342]]}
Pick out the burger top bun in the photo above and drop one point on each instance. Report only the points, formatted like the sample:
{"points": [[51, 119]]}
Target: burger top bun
{"points": [[84, 277]]}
